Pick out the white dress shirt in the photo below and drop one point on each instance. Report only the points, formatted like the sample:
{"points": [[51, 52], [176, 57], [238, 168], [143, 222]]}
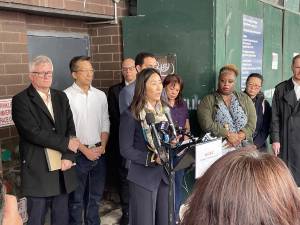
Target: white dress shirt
{"points": [[90, 113], [297, 89], [47, 100]]}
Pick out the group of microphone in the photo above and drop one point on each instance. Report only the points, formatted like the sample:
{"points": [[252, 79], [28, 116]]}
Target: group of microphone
{"points": [[162, 133]]}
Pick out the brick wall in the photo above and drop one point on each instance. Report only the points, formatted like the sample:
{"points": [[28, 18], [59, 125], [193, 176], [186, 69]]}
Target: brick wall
{"points": [[105, 46], [106, 51], [92, 6]]}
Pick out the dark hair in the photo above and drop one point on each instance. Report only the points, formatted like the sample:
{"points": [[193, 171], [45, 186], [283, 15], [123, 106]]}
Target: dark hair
{"points": [[295, 58], [229, 67], [139, 59], [245, 187], [257, 75], [73, 63], [139, 98], [174, 79]]}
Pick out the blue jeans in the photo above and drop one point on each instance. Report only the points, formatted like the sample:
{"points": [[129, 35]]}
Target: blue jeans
{"points": [[86, 198]]}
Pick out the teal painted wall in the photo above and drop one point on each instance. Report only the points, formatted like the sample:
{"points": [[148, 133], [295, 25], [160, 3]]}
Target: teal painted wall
{"points": [[175, 26]]}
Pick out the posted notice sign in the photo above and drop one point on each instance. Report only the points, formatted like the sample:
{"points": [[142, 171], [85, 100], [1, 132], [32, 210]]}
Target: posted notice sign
{"points": [[5, 113]]}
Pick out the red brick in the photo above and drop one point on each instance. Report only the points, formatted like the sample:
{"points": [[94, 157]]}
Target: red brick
{"points": [[92, 31], [14, 48], [51, 21], [117, 57], [117, 75], [10, 16], [109, 10], [2, 69], [33, 19], [14, 89], [95, 8], [23, 38], [103, 57], [10, 58], [74, 23], [56, 4], [101, 40], [110, 66], [109, 48], [116, 40], [94, 49], [2, 90], [16, 68], [109, 30], [78, 30], [96, 83], [9, 37], [13, 26], [104, 75], [96, 66], [74, 5], [10, 79], [107, 83], [25, 58]]}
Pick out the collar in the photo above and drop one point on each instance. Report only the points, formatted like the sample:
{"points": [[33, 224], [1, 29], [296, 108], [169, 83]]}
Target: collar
{"points": [[296, 85], [78, 89]]}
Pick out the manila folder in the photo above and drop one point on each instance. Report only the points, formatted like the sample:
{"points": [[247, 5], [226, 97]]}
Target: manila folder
{"points": [[53, 159]]}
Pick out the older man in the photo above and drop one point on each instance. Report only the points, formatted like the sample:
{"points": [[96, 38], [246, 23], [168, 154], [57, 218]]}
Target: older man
{"points": [[116, 166], [44, 121], [285, 125]]}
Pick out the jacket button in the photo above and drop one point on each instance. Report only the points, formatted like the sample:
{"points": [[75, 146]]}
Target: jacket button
{"points": [[53, 128]]}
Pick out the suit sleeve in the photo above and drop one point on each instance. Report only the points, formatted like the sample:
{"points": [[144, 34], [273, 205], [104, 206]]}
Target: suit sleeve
{"points": [[275, 127], [71, 131], [28, 126], [125, 99], [127, 135]]}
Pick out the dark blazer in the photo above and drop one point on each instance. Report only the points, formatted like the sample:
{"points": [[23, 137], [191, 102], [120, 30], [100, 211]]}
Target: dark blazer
{"points": [[126, 96], [37, 131], [285, 125], [114, 118], [133, 147]]}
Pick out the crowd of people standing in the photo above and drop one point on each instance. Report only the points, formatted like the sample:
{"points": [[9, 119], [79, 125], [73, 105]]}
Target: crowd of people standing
{"points": [[90, 131]]}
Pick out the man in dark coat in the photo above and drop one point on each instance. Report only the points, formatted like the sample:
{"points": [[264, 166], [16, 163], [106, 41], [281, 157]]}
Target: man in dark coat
{"points": [[285, 126], [116, 163], [44, 120]]}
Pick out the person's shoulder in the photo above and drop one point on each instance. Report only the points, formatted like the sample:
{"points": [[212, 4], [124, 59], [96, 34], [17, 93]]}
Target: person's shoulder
{"points": [[116, 86], [68, 90], [98, 92], [284, 84]]}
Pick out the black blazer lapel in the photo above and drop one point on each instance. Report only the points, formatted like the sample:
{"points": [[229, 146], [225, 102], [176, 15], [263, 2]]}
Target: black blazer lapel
{"points": [[56, 108], [37, 100]]}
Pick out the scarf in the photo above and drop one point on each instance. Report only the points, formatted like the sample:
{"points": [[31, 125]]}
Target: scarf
{"points": [[159, 116]]}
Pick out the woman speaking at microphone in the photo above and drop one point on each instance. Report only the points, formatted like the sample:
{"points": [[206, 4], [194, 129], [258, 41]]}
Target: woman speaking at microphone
{"points": [[148, 181]]}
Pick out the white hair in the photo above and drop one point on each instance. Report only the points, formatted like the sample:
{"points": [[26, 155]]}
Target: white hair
{"points": [[41, 59]]}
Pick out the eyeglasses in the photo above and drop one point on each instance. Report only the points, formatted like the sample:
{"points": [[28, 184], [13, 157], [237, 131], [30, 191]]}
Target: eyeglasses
{"points": [[85, 71], [132, 68], [43, 74], [254, 85]]}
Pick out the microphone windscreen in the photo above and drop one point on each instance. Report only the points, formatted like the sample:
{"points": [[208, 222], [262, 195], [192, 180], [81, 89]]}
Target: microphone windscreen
{"points": [[150, 119]]}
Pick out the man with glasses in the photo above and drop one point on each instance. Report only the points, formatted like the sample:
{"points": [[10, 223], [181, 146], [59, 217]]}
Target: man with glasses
{"points": [[90, 112], [285, 124], [254, 84], [142, 60], [116, 163], [44, 121]]}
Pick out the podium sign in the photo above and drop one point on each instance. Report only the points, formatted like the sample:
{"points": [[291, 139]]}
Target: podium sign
{"points": [[206, 154]]}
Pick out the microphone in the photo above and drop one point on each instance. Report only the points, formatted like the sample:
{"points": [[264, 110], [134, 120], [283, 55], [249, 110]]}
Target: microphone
{"points": [[160, 151], [171, 123]]}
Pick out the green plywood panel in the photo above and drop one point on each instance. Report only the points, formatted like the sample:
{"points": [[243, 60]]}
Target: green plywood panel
{"points": [[292, 5], [186, 31], [272, 44], [291, 40], [235, 9]]}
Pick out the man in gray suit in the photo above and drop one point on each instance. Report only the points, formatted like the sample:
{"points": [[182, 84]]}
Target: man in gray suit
{"points": [[142, 60]]}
